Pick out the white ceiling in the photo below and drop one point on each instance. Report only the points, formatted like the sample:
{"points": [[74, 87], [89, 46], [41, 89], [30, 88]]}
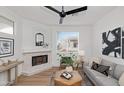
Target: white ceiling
{"points": [[45, 16]]}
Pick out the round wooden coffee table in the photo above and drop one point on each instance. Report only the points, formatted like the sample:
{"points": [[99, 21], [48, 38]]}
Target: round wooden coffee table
{"points": [[74, 81]]}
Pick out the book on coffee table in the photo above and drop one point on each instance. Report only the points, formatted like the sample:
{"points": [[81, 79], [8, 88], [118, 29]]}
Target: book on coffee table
{"points": [[66, 75]]}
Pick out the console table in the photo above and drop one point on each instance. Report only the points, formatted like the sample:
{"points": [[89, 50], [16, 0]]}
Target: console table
{"points": [[8, 67]]}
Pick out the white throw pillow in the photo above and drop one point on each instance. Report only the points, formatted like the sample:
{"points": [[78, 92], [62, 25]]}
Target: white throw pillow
{"points": [[121, 79], [96, 60]]}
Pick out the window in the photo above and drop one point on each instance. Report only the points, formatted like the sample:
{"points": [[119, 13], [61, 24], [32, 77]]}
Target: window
{"points": [[6, 25], [68, 41]]}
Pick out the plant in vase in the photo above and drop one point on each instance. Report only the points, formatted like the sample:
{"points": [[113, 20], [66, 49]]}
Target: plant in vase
{"points": [[67, 59], [68, 62]]}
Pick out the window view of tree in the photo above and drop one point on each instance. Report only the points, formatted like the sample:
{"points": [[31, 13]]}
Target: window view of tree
{"points": [[67, 41]]}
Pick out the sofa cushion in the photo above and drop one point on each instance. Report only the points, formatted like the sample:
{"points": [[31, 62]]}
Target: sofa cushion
{"points": [[121, 80], [112, 66], [92, 72], [106, 81], [100, 79], [119, 69]]}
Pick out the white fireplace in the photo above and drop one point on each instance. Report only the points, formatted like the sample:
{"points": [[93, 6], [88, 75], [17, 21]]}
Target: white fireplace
{"points": [[40, 59], [29, 68]]}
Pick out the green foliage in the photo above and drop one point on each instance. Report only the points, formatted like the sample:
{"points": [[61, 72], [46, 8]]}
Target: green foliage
{"points": [[67, 60]]}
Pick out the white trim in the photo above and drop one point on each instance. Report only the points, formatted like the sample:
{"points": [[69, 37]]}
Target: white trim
{"points": [[28, 51]]}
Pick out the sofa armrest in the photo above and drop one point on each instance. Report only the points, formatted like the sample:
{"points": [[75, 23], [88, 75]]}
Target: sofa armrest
{"points": [[86, 63]]}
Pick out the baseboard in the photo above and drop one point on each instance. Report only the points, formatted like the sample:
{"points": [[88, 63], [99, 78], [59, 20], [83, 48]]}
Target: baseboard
{"points": [[34, 72]]}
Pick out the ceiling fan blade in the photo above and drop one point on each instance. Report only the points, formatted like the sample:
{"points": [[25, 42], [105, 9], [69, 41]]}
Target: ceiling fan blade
{"points": [[76, 10], [61, 20], [53, 9]]}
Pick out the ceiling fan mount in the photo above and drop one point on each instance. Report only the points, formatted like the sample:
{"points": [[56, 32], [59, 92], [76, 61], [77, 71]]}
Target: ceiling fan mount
{"points": [[63, 14]]}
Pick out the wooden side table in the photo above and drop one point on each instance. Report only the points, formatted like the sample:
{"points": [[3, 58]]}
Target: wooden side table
{"points": [[74, 81]]}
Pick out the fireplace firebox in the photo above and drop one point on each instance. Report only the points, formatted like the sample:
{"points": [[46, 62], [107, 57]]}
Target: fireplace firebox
{"points": [[38, 60]]}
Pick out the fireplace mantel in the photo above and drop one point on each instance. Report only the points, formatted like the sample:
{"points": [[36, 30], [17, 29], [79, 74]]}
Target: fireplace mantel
{"points": [[28, 69], [28, 51]]}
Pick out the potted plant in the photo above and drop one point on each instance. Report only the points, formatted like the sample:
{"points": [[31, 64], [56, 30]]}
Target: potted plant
{"points": [[67, 60]]}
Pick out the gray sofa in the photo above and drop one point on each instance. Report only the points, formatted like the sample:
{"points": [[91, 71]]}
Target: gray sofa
{"points": [[99, 79]]}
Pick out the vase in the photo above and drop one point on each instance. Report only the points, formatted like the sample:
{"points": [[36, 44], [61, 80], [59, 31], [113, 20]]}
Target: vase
{"points": [[69, 69]]}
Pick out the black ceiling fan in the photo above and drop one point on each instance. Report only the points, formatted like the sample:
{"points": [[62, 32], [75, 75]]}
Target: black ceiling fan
{"points": [[63, 14]]}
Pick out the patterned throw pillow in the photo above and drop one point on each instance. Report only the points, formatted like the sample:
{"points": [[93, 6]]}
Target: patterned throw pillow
{"points": [[94, 66], [101, 68]]}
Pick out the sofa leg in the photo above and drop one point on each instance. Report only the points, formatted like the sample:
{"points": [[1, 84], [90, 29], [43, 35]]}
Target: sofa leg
{"points": [[84, 74]]}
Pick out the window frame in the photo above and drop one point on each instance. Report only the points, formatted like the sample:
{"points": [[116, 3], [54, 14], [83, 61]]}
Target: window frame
{"points": [[13, 25], [68, 47]]}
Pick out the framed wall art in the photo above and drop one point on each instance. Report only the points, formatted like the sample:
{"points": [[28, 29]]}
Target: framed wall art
{"points": [[111, 42], [6, 47], [123, 43]]}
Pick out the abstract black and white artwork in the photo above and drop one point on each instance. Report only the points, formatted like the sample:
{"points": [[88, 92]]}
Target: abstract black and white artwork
{"points": [[111, 41], [123, 44], [6, 47]]}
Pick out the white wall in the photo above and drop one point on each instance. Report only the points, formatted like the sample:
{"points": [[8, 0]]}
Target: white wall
{"points": [[85, 38], [17, 38], [110, 21], [30, 28]]}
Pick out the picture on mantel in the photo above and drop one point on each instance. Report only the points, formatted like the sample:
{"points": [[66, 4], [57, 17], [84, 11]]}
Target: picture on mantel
{"points": [[111, 42], [123, 43]]}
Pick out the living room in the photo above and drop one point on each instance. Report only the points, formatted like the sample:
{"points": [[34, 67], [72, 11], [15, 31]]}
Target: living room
{"points": [[29, 22]]}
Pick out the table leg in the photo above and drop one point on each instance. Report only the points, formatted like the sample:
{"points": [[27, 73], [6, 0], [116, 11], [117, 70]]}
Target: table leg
{"points": [[16, 74], [77, 66], [9, 76]]}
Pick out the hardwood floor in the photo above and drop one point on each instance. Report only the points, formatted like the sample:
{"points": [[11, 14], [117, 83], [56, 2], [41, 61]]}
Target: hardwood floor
{"points": [[41, 79]]}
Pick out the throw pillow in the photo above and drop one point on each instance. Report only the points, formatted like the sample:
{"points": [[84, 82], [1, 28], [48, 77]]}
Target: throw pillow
{"points": [[121, 80], [97, 60], [94, 66], [103, 69], [100, 68]]}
